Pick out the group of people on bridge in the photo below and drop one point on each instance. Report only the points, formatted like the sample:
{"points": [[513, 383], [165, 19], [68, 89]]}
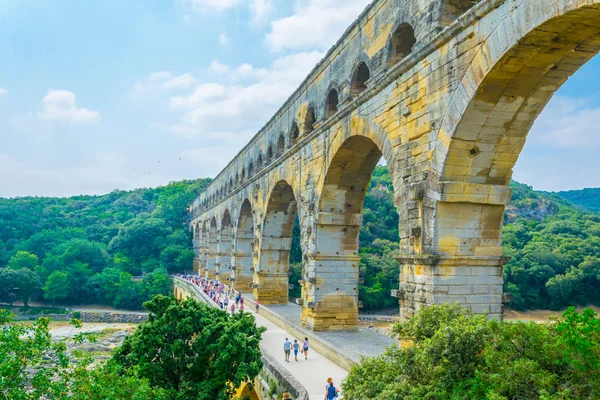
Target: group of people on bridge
{"points": [[230, 300]]}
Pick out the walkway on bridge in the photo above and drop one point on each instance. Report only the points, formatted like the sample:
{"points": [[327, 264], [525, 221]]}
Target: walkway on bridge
{"points": [[311, 373]]}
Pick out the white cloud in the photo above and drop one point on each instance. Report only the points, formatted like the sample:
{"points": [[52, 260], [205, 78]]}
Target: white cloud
{"points": [[162, 82], [261, 10], [227, 105], [3, 91], [567, 122], [59, 105], [204, 93], [315, 24], [218, 5], [224, 39], [101, 174], [223, 72]]}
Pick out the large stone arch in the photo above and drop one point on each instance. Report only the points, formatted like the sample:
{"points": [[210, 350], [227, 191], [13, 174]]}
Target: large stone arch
{"points": [[505, 87], [271, 276], [330, 281], [225, 250], [364, 127], [203, 257], [213, 248], [196, 234], [244, 248]]}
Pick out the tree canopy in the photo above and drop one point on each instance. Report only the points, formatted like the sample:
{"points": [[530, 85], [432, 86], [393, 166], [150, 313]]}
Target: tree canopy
{"points": [[447, 353], [34, 366], [99, 243], [192, 350]]}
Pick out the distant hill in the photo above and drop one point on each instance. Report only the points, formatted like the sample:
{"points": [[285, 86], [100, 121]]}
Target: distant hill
{"points": [[588, 198], [100, 242]]}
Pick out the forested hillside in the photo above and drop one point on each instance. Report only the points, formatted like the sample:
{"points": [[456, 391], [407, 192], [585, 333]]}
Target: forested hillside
{"points": [[86, 249], [588, 198]]}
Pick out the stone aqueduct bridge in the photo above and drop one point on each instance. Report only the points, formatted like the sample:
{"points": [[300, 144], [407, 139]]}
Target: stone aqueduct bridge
{"points": [[446, 91]]}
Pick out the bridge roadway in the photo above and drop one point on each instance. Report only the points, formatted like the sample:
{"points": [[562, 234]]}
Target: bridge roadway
{"points": [[312, 373]]}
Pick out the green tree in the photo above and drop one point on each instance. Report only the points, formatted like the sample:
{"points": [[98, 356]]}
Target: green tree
{"points": [[130, 294], [39, 367], [192, 349], [8, 285], [447, 353], [56, 287], [157, 282], [29, 283], [23, 259], [107, 284]]}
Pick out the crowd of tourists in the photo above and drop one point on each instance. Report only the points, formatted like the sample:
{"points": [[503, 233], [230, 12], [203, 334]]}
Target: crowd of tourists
{"points": [[232, 301], [223, 296]]}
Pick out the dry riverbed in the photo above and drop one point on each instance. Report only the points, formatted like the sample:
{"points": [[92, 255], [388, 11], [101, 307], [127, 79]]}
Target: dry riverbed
{"points": [[108, 336]]}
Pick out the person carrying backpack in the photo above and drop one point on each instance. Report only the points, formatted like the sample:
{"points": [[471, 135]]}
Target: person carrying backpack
{"points": [[331, 392]]}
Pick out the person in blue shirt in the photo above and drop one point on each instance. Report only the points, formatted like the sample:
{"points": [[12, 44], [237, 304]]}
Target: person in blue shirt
{"points": [[287, 347], [296, 349], [331, 392]]}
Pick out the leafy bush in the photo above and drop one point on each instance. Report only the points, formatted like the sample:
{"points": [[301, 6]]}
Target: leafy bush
{"points": [[448, 353]]}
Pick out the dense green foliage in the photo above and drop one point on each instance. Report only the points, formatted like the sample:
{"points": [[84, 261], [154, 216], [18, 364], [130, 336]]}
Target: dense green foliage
{"points": [[554, 260], [192, 350], [98, 242], [588, 198], [33, 366], [448, 353], [379, 244]]}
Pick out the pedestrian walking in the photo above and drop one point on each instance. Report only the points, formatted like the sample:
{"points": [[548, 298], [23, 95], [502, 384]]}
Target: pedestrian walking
{"points": [[331, 392], [257, 305], [296, 348], [232, 308], [305, 348], [242, 307], [287, 347]]}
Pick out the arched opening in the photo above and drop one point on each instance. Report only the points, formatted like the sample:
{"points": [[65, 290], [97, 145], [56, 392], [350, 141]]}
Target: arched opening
{"points": [[213, 247], [280, 146], [359, 78], [243, 175], [331, 280], [243, 250], [196, 241], [309, 120], [259, 163], [332, 103], [250, 170], [204, 245], [294, 134], [401, 43], [452, 9], [237, 179], [276, 242], [270, 155], [225, 247]]}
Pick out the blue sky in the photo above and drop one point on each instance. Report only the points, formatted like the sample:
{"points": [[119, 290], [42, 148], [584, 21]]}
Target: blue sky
{"points": [[96, 96]]}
